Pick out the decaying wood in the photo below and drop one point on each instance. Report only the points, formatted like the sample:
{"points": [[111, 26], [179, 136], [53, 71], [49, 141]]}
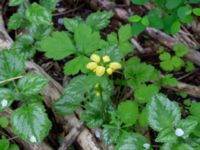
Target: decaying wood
{"points": [[52, 92]]}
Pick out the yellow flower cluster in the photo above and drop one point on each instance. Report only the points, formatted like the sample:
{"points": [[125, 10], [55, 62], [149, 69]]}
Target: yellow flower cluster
{"points": [[104, 66]]}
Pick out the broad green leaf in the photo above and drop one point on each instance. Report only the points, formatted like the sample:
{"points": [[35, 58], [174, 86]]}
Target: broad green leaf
{"points": [[144, 93], [194, 1], [37, 14], [99, 20], [194, 109], [189, 66], [176, 27], [180, 49], [139, 2], [74, 94], [6, 98], [77, 64], [137, 28], [155, 19], [31, 123], [184, 11], [161, 107], [32, 84], [145, 21], [166, 136], [167, 65], [128, 112], [171, 4], [124, 33], [125, 48], [48, 4], [110, 134], [4, 144], [196, 11], [91, 39], [133, 141], [15, 2], [11, 65], [71, 24], [57, 46], [188, 125], [15, 21], [93, 115]]}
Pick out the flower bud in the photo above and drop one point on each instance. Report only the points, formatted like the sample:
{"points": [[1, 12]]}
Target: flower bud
{"points": [[96, 58], [91, 66], [100, 70], [109, 71], [106, 59], [115, 65]]}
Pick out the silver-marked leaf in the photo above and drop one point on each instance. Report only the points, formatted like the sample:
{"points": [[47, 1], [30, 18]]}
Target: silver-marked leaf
{"points": [[37, 14], [31, 84], [31, 123], [163, 113], [11, 65], [99, 20], [6, 98]]}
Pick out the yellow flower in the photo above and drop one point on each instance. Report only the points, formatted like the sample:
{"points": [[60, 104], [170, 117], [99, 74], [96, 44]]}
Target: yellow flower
{"points": [[115, 65], [109, 71], [100, 70], [106, 59], [91, 66], [97, 94], [96, 58]]}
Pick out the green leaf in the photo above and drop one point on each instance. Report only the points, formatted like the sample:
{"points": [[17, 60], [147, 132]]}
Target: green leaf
{"points": [[57, 46], [13, 147], [6, 98], [124, 33], [32, 84], [194, 109], [135, 18], [145, 21], [48, 4], [133, 141], [189, 66], [166, 136], [128, 112], [11, 65], [143, 118], [15, 21], [139, 2], [176, 27], [166, 65], [171, 4], [71, 24], [77, 64], [196, 11], [137, 28], [4, 122], [93, 115], [180, 49], [184, 11], [165, 56], [31, 123], [91, 39], [37, 14], [4, 144], [177, 62], [15, 2], [155, 19], [169, 80], [99, 20], [161, 107], [188, 125], [74, 94], [144, 93]]}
